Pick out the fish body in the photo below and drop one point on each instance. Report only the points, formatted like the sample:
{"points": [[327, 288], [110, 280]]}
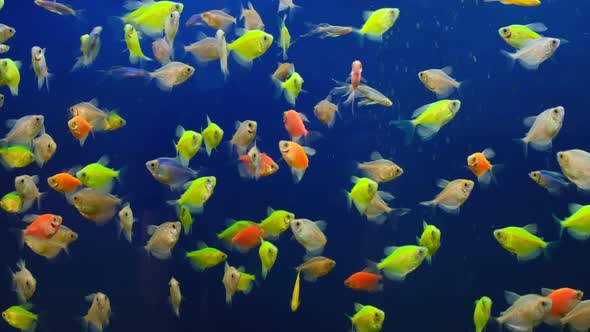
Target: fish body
{"points": [[518, 36], [163, 239]]}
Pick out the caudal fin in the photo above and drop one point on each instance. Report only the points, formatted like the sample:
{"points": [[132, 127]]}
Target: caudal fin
{"points": [[408, 127]]}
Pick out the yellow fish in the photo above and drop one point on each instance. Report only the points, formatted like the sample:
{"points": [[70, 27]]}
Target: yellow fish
{"points": [[524, 3], [133, 46], [150, 16]]}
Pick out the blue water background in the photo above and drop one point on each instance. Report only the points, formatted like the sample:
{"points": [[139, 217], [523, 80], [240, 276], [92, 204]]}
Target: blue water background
{"points": [[429, 34]]}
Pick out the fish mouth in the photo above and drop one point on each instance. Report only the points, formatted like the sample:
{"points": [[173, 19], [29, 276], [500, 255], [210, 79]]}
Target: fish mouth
{"points": [[37, 59], [250, 131]]}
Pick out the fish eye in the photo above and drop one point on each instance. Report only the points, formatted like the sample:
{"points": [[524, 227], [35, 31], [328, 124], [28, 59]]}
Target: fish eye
{"points": [[554, 42], [126, 214], [11, 30], [473, 160], [174, 226], [49, 146], [152, 164], [270, 251], [22, 181], [249, 124], [27, 283], [555, 110], [433, 233], [265, 38], [75, 198], [466, 184]]}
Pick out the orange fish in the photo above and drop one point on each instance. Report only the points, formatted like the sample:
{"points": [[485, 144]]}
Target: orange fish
{"points": [[248, 238], [365, 281], [564, 300], [267, 165], [294, 124], [482, 168], [63, 182], [80, 128], [296, 157], [43, 226]]}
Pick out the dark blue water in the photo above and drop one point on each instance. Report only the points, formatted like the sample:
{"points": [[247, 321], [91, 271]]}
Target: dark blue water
{"points": [[428, 34]]}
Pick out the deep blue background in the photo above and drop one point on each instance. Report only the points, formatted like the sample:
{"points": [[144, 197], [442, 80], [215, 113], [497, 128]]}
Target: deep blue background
{"points": [[428, 34]]}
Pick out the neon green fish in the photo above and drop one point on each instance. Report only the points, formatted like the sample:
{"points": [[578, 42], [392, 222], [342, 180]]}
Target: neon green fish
{"points": [[21, 318], [518, 36], [186, 219], [212, 136], [10, 74], [84, 45], [285, 38], [481, 314], [197, 193], [234, 228], [378, 22], [400, 261], [292, 87], [362, 193], [133, 46], [578, 224], [11, 202], [150, 16], [276, 222], [114, 121], [189, 143], [246, 282], [521, 241], [367, 318], [428, 119], [268, 253], [16, 156], [97, 175], [430, 239], [206, 257], [251, 45]]}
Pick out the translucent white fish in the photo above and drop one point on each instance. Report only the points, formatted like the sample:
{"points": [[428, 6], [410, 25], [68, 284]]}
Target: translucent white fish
{"points": [[163, 239], [40, 67], [575, 165], [24, 130], [172, 74], [99, 313], [535, 52], [45, 148], [310, 235], [175, 296], [26, 187], [525, 312], [439, 81], [126, 221], [171, 27], [543, 129], [23, 282]]}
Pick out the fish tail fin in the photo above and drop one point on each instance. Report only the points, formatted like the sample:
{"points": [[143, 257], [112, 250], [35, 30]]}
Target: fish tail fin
{"points": [[510, 56], [524, 145], [559, 222], [550, 249], [408, 127]]}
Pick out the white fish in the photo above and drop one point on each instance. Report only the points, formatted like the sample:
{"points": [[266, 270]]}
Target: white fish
{"points": [[535, 52], [453, 195], [171, 27], [244, 135], [287, 4], [205, 49], [175, 296], [23, 282], [126, 221], [99, 314], [579, 318], [378, 209], [90, 47], [380, 169], [90, 112], [45, 148], [40, 67], [4, 48], [172, 74], [310, 235], [6, 32], [164, 238], [26, 187], [252, 20], [525, 311], [575, 165], [1, 100], [162, 51], [543, 129], [439, 81], [370, 96], [231, 280], [24, 130]]}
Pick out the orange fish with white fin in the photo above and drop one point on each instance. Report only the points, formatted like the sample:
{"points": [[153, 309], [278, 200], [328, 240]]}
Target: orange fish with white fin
{"points": [[563, 301], [267, 167], [480, 165], [295, 126], [42, 227], [297, 157], [64, 182], [80, 128]]}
